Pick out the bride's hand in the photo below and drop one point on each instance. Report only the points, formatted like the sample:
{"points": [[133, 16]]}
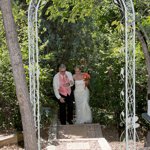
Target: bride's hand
{"points": [[66, 84], [70, 83]]}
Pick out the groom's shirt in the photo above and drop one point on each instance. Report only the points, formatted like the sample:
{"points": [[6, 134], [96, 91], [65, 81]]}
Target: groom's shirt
{"points": [[58, 82]]}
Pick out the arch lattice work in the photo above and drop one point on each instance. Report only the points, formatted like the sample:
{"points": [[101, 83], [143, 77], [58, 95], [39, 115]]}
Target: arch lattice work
{"points": [[34, 62], [128, 116], [128, 73]]}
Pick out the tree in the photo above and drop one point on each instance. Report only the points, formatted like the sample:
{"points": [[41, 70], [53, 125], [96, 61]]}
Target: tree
{"points": [[143, 24], [29, 130], [144, 45]]}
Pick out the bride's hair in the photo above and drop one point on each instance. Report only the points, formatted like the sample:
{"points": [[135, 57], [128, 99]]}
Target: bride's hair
{"points": [[77, 67]]}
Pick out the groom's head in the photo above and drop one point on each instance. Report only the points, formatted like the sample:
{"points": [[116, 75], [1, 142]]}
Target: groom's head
{"points": [[62, 69]]}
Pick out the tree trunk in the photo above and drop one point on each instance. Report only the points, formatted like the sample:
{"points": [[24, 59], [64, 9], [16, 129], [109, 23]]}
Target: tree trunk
{"points": [[146, 55], [29, 130], [141, 38]]}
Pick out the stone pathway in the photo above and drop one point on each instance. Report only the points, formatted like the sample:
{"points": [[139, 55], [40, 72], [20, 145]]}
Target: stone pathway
{"points": [[79, 137], [79, 131], [80, 144]]}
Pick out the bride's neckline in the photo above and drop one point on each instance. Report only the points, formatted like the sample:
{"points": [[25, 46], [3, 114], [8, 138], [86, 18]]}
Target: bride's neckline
{"points": [[79, 80]]}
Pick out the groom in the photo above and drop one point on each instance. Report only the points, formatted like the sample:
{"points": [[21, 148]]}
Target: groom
{"points": [[62, 83]]}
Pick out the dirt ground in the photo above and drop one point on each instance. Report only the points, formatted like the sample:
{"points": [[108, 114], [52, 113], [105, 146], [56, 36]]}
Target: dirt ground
{"points": [[112, 136]]}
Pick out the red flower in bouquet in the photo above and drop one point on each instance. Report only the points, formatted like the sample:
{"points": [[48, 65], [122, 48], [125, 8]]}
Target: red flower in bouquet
{"points": [[86, 76]]}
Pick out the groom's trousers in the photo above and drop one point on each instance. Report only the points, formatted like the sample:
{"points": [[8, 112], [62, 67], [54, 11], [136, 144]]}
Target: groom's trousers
{"points": [[66, 109]]}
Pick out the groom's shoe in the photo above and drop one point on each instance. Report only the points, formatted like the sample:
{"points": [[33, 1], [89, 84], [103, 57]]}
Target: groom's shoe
{"points": [[70, 122], [63, 123]]}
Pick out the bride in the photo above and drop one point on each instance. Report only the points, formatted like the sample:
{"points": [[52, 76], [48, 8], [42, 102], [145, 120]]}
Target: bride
{"points": [[81, 94]]}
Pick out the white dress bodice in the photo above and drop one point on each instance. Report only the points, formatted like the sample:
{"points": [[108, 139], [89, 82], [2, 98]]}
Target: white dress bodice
{"points": [[79, 85]]}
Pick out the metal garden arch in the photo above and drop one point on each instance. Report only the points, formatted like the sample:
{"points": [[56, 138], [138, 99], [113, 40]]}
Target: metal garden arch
{"points": [[127, 73]]}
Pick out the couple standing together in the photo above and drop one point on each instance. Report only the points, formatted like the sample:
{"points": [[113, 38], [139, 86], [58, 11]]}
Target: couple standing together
{"points": [[62, 83]]}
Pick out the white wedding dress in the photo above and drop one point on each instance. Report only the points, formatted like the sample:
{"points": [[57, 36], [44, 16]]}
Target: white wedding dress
{"points": [[83, 111]]}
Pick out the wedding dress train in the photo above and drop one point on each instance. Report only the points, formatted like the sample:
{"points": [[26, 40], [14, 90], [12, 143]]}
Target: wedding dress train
{"points": [[83, 111]]}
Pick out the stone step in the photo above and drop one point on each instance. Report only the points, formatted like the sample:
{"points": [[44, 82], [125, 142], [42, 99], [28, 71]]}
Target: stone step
{"points": [[80, 144], [79, 131]]}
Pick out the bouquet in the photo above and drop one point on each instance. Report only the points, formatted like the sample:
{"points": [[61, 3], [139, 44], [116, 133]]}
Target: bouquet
{"points": [[86, 78]]}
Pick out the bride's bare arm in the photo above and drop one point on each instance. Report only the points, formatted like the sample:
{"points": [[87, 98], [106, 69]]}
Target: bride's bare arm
{"points": [[86, 82]]}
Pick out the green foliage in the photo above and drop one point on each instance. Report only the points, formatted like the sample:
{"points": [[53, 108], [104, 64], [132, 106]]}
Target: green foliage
{"points": [[69, 10]]}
